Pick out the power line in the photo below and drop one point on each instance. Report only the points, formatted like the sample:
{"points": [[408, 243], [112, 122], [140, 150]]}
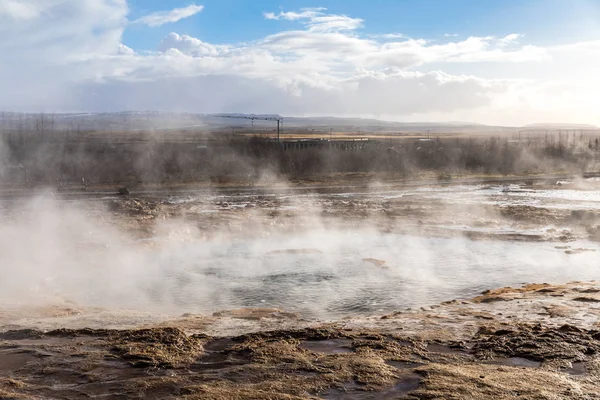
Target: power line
{"points": [[278, 119]]}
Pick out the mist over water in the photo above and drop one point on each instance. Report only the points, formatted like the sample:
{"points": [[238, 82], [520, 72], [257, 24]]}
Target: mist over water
{"points": [[55, 251], [337, 282]]}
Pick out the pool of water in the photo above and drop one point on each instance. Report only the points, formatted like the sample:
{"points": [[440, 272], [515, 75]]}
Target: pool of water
{"points": [[336, 273], [560, 197], [320, 272]]}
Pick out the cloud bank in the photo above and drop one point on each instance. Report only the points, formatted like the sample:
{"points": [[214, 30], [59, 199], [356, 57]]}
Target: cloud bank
{"points": [[68, 55]]}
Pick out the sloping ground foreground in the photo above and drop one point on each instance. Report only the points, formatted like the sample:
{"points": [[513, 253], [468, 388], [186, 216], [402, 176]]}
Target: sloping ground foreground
{"points": [[534, 342]]}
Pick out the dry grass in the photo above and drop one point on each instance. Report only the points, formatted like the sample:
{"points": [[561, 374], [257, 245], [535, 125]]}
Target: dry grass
{"points": [[477, 381]]}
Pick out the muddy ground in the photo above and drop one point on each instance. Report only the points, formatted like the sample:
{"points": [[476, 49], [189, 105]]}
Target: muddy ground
{"points": [[534, 342], [494, 216], [539, 341]]}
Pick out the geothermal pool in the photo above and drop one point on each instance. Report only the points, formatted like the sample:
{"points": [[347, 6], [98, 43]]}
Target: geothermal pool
{"points": [[325, 274], [61, 253]]}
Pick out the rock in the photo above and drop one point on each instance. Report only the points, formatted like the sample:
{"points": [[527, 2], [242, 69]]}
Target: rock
{"points": [[570, 328], [558, 311], [490, 299], [135, 207], [295, 251], [590, 290], [587, 299], [579, 250], [256, 314], [376, 262]]}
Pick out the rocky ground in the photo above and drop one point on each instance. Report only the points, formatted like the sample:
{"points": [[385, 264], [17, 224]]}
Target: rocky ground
{"points": [[497, 215], [534, 342], [539, 341]]}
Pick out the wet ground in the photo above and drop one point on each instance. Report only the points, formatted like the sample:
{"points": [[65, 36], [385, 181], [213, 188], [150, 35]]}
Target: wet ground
{"points": [[535, 342], [325, 254], [541, 210], [282, 294]]}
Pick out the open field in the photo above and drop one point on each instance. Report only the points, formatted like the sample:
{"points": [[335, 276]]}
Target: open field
{"points": [[136, 159]]}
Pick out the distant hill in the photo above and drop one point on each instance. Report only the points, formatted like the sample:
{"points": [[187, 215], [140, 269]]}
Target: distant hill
{"points": [[559, 126], [165, 121]]}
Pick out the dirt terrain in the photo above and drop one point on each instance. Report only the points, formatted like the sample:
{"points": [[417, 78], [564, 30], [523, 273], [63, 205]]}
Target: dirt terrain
{"points": [[396, 209], [535, 342]]}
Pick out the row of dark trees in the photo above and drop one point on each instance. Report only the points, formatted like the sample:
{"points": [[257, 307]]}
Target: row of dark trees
{"points": [[32, 159]]}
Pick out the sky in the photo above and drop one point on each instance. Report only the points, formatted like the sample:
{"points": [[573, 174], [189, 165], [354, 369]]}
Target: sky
{"points": [[500, 62]]}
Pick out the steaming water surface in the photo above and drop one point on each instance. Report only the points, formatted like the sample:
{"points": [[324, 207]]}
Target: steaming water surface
{"points": [[332, 279], [336, 281], [318, 271], [501, 194]]}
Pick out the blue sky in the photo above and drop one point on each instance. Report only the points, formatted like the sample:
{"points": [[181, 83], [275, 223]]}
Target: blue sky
{"points": [[502, 62], [226, 21]]}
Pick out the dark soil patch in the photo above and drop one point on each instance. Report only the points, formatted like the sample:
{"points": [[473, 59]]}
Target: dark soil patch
{"points": [[537, 343]]}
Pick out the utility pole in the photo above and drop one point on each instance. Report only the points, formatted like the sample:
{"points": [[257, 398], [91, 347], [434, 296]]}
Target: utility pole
{"points": [[277, 118]]}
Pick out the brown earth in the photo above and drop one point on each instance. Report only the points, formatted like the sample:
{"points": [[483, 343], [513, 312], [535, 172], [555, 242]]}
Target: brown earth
{"points": [[537, 343]]}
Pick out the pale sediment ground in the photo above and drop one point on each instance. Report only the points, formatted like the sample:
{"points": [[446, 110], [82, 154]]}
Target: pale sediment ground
{"points": [[379, 269]]}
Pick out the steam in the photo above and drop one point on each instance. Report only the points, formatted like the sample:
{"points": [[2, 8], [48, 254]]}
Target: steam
{"points": [[298, 253], [54, 251]]}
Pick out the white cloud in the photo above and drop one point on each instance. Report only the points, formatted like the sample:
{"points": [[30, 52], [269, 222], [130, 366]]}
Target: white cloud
{"points": [[19, 10], [124, 50], [392, 93], [318, 21], [305, 13], [188, 45], [55, 48], [341, 50], [524, 54], [388, 36], [510, 39], [68, 55], [165, 17]]}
